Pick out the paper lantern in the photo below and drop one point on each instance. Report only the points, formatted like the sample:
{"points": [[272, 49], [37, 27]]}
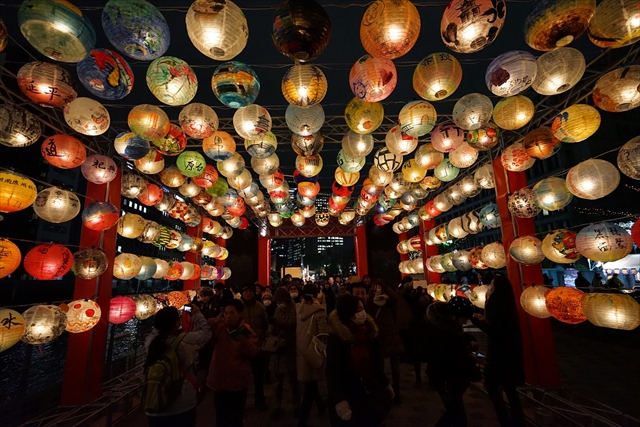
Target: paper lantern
{"points": [[513, 112], [628, 160], [346, 180], [18, 128], [485, 138], [434, 264], [188, 270], [511, 73], [273, 180], [151, 164], [304, 85], [461, 261], [301, 29], [472, 111], [613, 311], [526, 250], [604, 242], [145, 306], [356, 145], [389, 29], [576, 123], [445, 171], [46, 84], [516, 159], [533, 301], [87, 116], [130, 146], [121, 310], [89, 263], [478, 296], [617, 91], [540, 143], [379, 177], [132, 185], [57, 30], [43, 323], [551, 194], [206, 179], [191, 163], [106, 74], [552, 24], [593, 179], [131, 225], [174, 273], [565, 305], [13, 328], [252, 121], [615, 24], [227, 273], [235, 84], [560, 247], [298, 220], [304, 121], [412, 171], [198, 120], [417, 118], [240, 181], [437, 76], [173, 143], [136, 28], [373, 79], [63, 151], [172, 177], [151, 195], [126, 267], [464, 156], [428, 157], [522, 203], [309, 166], [399, 142], [232, 166], [490, 216], [219, 146], [559, 70], [148, 121], [100, 216], [82, 315], [172, 81], [261, 147], [56, 205], [162, 267], [48, 261], [468, 27], [265, 166], [475, 258], [10, 259], [363, 117], [469, 187], [447, 262], [166, 203], [350, 164], [454, 195], [217, 30], [148, 269], [493, 255]]}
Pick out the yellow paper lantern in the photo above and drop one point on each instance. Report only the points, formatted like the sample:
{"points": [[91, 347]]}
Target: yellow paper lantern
{"points": [[468, 27], [565, 305], [148, 121], [379, 177], [265, 166], [363, 117], [540, 143], [131, 225], [87, 116], [617, 91], [390, 28], [240, 181], [44, 323], [472, 111], [478, 296], [82, 315], [533, 301], [576, 123], [151, 164], [613, 311], [126, 266], [412, 171], [464, 156], [298, 219], [428, 157], [526, 250], [304, 85], [16, 192], [560, 247], [493, 255], [593, 179], [19, 128], [437, 76], [12, 328], [513, 112], [309, 166], [552, 23], [417, 118], [616, 24], [558, 71], [172, 177], [604, 242], [145, 306], [56, 205]]}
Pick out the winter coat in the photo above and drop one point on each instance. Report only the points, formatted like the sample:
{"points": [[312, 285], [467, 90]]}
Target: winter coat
{"points": [[330, 298], [403, 315], [385, 319], [284, 326], [255, 314], [311, 321]]}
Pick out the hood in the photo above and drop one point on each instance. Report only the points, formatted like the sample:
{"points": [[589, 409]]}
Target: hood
{"points": [[437, 315], [305, 311], [343, 332]]}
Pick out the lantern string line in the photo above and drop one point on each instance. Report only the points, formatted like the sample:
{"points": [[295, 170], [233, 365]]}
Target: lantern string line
{"points": [[46, 184]]}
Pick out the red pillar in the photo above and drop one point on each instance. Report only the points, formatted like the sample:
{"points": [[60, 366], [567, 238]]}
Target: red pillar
{"points": [[362, 261], [428, 250], [264, 261], [83, 372], [194, 258], [541, 366]]}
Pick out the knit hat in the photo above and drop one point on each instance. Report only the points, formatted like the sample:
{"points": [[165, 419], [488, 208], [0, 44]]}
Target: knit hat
{"points": [[282, 294], [310, 290]]}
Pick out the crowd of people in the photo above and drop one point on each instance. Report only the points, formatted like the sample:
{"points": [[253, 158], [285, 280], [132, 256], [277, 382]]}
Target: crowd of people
{"points": [[344, 331]]}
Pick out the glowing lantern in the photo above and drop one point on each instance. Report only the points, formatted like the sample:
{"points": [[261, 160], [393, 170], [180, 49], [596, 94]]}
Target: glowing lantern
{"points": [[304, 121], [232, 166], [297, 219], [240, 181], [48, 261], [484, 139], [132, 185], [301, 29], [265, 166], [148, 122], [552, 24], [475, 258], [304, 85], [493, 255], [87, 116], [387, 161], [136, 28], [560, 247], [615, 24], [346, 179], [628, 160], [151, 164], [468, 186], [10, 259], [100, 216], [188, 270], [18, 128], [57, 30], [526, 250], [48, 85], [437, 76], [173, 143], [373, 79], [162, 267], [275, 219], [82, 315], [478, 296], [559, 70], [412, 171], [565, 305], [63, 151], [171, 80], [454, 228], [389, 29], [513, 112], [576, 123], [43, 323], [522, 203], [516, 159], [13, 328], [151, 195], [469, 27], [490, 216], [198, 120], [218, 31], [445, 171], [350, 164], [89, 263], [219, 146], [552, 194], [511, 73], [130, 146], [131, 225], [464, 156], [593, 179], [174, 273], [613, 311], [379, 177], [472, 111], [617, 91], [434, 264], [400, 143], [471, 222], [121, 310], [252, 121], [56, 205], [428, 157], [533, 301], [106, 74], [145, 306], [417, 118], [363, 117], [604, 242], [540, 143], [126, 266], [261, 147], [172, 177], [191, 163], [309, 166], [461, 261], [235, 84]]}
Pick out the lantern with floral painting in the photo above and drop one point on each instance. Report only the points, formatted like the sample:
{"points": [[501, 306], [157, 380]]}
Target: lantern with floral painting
{"points": [[174, 273], [252, 121], [48, 261], [576, 123], [363, 117], [121, 310], [540, 143], [389, 29], [526, 250], [511, 73], [593, 179], [560, 247], [522, 203], [613, 311], [46, 84], [130, 146], [372, 79], [437, 76], [10, 257], [19, 128], [100, 216], [87, 116], [56, 205], [552, 24], [43, 323], [82, 315], [13, 327], [145, 306], [89, 263], [604, 242], [63, 151], [565, 305], [171, 80], [617, 91], [615, 24], [126, 266], [106, 74], [516, 159], [472, 111], [219, 146], [198, 120], [533, 301], [485, 138], [559, 70], [551, 194], [173, 143], [493, 255], [148, 122], [304, 85]]}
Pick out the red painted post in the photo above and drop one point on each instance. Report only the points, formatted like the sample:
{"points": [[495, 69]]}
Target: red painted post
{"points": [[264, 261], [193, 257], [362, 260], [83, 372], [541, 366]]}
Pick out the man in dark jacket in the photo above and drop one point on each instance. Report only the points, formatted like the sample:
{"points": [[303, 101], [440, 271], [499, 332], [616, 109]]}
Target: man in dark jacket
{"points": [[255, 315], [207, 302]]}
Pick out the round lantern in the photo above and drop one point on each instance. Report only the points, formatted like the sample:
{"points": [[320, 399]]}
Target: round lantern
{"points": [[576, 123], [43, 323], [373, 79], [552, 24], [447, 262], [151, 195], [188, 270], [304, 85], [454, 228], [191, 163], [346, 179], [363, 117], [87, 116], [18, 127], [175, 238], [82, 315], [235, 84], [89, 263], [400, 143], [445, 171], [227, 273], [151, 164], [172, 81], [298, 220], [613, 311], [132, 185], [604, 242], [136, 28], [131, 225], [307, 145], [493, 255], [593, 179], [379, 177], [552, 194], [540, 143], [434, 264], [490, 216], [106, 74], [219, 146], [468, 186], [513, 112], [628, 160], [472, 111], [63, 151], [219, 31], [121, 310], [437, 76], [357, 145], [446, 137], [56, 205], [167, 202], [309, 166], [464, 156], [232, 166], [412, 171], [389, 29], [304, 121], [516, 159], [57, 30], [350, 164], [533, 301], [173, 143], [148, 121], [162, 267], [615, 24], [130, 146], [617, 91], [10, 260], [475, 258], [565, 305], [559, 70], [252, 121], [469, 27], [417, 118], [14, 327], [301, 29], [275, 219], [265, 166], [172, 177], [461, 261], [145, 306], [207, 178], [560, 247], [48, 261], [485, 138], [387, 161], [471, 222], [48, 85], [428, 157], [126, 266], [100, 216], [240, 181], [511, 73], [478, 296], [261, 147], [526, 250], [522, 203], [198, 120]]}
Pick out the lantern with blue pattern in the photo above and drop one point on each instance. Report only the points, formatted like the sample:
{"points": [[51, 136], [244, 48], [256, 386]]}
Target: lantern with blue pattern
{"points": [[106, 74]]}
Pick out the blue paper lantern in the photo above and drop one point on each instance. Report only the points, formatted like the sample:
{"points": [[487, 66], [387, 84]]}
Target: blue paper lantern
{"points": [[106, 74], [235, 84], [130, 146], [490, 216]]}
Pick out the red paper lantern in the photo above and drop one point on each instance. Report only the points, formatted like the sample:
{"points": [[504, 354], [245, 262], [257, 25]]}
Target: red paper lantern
{"points": [[151, 196], [100, 216], [565, 304], [341, 190], [238, 209], [431, 209], [309, 189], [174, 273], [48, 261], [63, 151], [207, 178], [121, 310], [196, 272], [244, 223], [635, 233]]}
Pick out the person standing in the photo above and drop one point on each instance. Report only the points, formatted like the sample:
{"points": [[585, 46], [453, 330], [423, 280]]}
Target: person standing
{"points": [[504, 366], [295, 289], [597, 281], [581, 282], [615, 283], [207, 303], [329, 296], [255, 314]]}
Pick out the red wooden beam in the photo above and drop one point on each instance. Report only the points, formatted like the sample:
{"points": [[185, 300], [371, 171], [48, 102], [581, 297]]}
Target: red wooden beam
{"points": [[264, 261], [362, 262]]}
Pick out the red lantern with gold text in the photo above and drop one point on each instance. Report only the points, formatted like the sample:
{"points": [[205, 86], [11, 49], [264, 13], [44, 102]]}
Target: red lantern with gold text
{"points": [[121, 310], [63, 151], [207, 178], [151, 196], [48, 261]]}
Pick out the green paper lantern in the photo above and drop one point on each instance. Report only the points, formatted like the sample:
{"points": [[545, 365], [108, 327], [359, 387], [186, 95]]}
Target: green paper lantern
{"points": [[191, 163]]}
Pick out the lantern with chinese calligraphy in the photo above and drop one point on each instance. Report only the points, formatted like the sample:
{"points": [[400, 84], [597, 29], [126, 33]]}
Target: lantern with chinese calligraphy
{"points": [[490, 216], [191, 163], [533, 301], [613, 311], [604, 242], [173, 143], [106, 74], [565, 305], [198, 120], [265, 166], [148, 269], [148, 121], [18, 127], [56, 205], [560, 247], [252, 121], [412, 171], [511, 73], [478, 296], [219, 146], [576, 123], [464, 156], [526, 250], [145, 306], [552, 194], [48, 261], [87, 116], [437, 76], [472, 111], [475, 258], [522, 203], [516, 159], [445, 171], [617, 91], [363, 117], [63, 151], [628, 160], [493, 255], [468, 27], [151, 164], [48, 85], [13, 327], [551, 24], [89, 263], [373, 79], [540, 143], [389, 29], [10, 258], [261, 147], [593, 179], [304, 85], [513, 112], [218, 30], [235, 84], [446, 137], [130, 146], [171, 80], [121, 310], [126, 266], [615, 24], [162, 267], [301, 29], [131, 225], [43, 323], [309, 166], [132, 185], [82, 315], [559, 70], [172, 177], [100, 216]]}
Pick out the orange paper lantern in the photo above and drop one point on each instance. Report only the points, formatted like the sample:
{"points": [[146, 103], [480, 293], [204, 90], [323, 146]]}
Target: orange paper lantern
{"points": [[63, 151], [48, 261], [565, 305], [390, 28], [10, 258]]}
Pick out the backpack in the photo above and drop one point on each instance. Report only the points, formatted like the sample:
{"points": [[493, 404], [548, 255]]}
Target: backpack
{"points": [[162, 381]]}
